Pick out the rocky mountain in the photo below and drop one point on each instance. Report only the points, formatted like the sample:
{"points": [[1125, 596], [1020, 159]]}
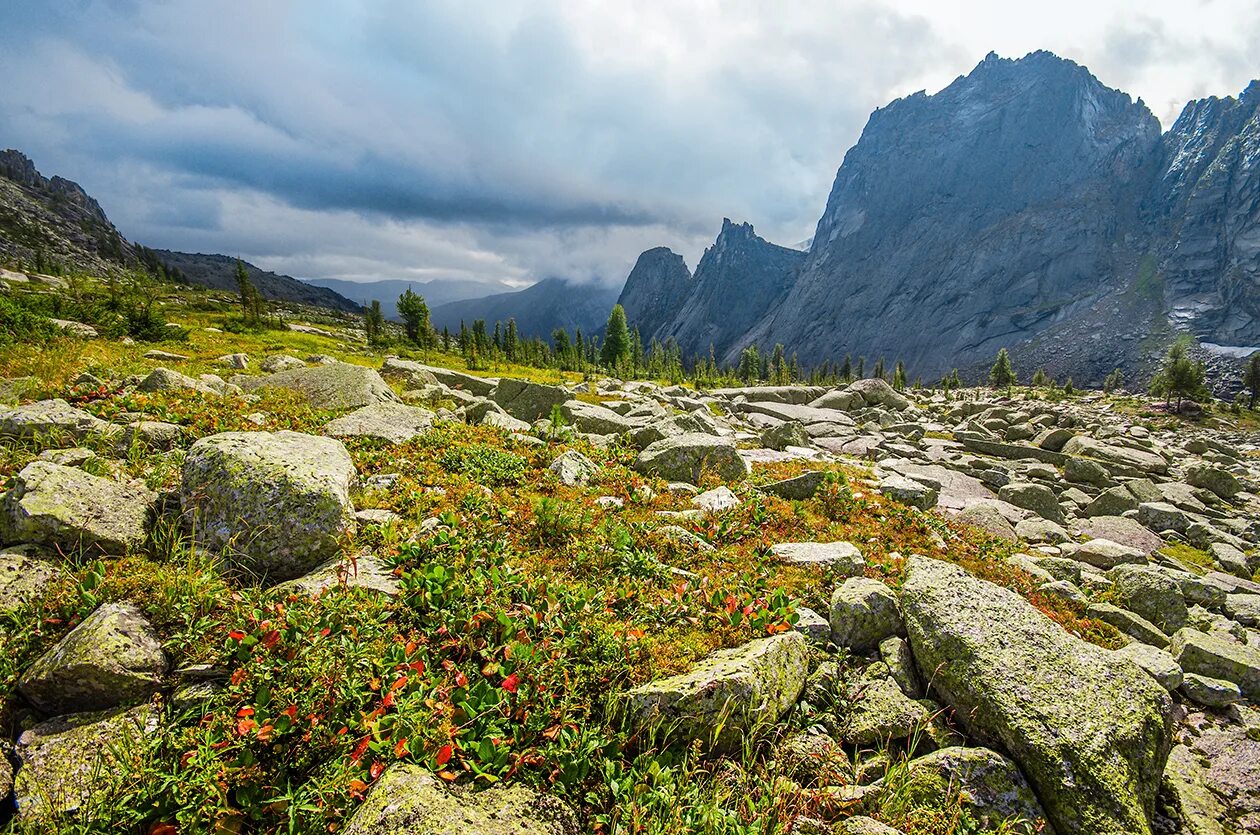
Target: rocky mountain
{"points": [[48, 224], [1027, 206], [386, 291], [538, 309], [655, 290], [219, 272]]}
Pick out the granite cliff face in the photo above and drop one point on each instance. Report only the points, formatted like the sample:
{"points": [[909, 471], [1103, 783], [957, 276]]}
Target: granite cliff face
{"points": [[1027, 206], [656, 290]]}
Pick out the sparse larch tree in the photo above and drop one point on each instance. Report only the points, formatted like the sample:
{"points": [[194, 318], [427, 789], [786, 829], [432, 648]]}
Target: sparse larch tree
{"points": [[1002, 375], [1180, 377], [616, 348]]}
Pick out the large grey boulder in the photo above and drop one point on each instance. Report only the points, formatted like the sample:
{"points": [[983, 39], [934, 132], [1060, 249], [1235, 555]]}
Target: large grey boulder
{"points": [[68, 762], [1035, 497], [881, 713], [1105, 554], [528, 401], [726, 695], [112, 658], [1158, 664], [393, 423], [596, 420], [1089, 730], [280, 362], [687, 457], [863, 613], [413, 800], [68, 508], [907, 491], [1149, 592], [51, 420], [573, 468], [786, 434], [798, 488], [416, 375], [1124, 457], [1123, 530], [24, 575], [1212, 656], [1113, 501], [276, 503], [412, 374], [989, 786], [1217, 479], [877, 392], [337, 385], [842, 557], [363, 571], [164, 379]]}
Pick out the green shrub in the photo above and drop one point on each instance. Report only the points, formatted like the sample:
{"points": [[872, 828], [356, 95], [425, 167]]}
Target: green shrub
{"points": [[18, 324], [485, 464]]}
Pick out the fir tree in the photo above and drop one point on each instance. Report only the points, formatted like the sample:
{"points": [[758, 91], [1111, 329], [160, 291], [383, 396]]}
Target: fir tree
{"points": [[616, 349], [1251, 379], [1001, 375]]}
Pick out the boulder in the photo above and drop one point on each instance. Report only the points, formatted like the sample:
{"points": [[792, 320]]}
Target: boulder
{"points": [[899, 658], [277, 503], [113, 658], [1124, 457], [364, 571], [337, 385], [594, 419], [1214, 657], [799, 488], [1124, 531], [164, 379], [51, 420], [1095, 752], [1114, 501], [24, 575], [877, 392], [990, 787], [789, 433], [1085, 471], [280, 362], [862, 825], [1209, 692], [988, 516], [393, 423], [65, 763], [881, 713], [1105, 554], [716, 500], [67, 508], [1217, 479], [573, 468], [528, 401], [1130, 623], [413, 800], [863, 613], [1053, 438], [1149, 592], [1035, 497], [1162, 516], [908, 492], [724, 697], [417, 375], [1158, 664], [841, 557], [412, 375], [687, 457]]}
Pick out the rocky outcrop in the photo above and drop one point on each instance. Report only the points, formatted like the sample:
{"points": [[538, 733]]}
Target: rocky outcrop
{"points": [[687, 457], [392, 423], [337, 385], [655, 291], [1090, 731], [275, 502]]}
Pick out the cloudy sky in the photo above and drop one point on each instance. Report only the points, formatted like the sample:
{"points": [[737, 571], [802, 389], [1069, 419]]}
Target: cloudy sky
{"points": [[511, 140]]}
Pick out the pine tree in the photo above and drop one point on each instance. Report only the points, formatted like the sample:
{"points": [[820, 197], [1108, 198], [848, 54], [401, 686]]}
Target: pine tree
{"points": [[1039, 378], [1113, 381], [374, 323], [899, 376], [510, 340], [415, 315], [878, 372], [749, 364], [616, 349], [1251, 379], [1001, 375], [846, 370], [251, 301], [1180, 376], [861, 368]]}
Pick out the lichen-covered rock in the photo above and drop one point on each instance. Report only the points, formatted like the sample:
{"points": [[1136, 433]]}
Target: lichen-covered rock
{"points": [[1209, 692], [877, 392], [67, 762], [1130, 623], [393, 423], [881, 713], [1122, 530], [280, 362], [1157, 663], [112, 658], [1151, 593], [862, 825], [842, 557], [68, 508], [153, 434], [24, 574], [724, 697], [595, 419], [337, 385], [528, 401], [1090, 731], [716, 500], [1126, 457], [863, 613], [989, 786], [800, 488], [1162, 516], [1085, 471], [1105, 554], [907, 491], [899, 658], [1208, 655], [51, 420], [1113, 501], [164, 379], [686, 457], [1217, 479], [364, 571], [1035, 497], [789, 433], [573, 468], [410, 800], [275, 502]]}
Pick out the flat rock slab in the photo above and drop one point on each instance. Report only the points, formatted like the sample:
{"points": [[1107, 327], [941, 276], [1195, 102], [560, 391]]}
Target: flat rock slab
{"points": [[1207, 655], [412, 800], [366, 571], [845, 557], [393, 423], [726, 695], [804, 414], [1124, 531], [24, 574], [956, 490], [50, 420], [337, 385], [1089, 730], [67, 508]]}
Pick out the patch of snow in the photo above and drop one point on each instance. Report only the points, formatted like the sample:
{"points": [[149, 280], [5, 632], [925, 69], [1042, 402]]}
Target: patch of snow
{"points": [[1235, 351]]}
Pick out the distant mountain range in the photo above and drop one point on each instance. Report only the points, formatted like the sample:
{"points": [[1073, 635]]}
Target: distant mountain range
{"points": [[538, 309], [1025, 206], [436, 292], [219, 272]]}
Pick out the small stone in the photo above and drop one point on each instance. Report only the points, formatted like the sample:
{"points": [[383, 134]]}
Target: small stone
{"points": [[716, 500], [1158, 664], [1209, 692], [809, 623], [573, 468], [843, 557]]}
